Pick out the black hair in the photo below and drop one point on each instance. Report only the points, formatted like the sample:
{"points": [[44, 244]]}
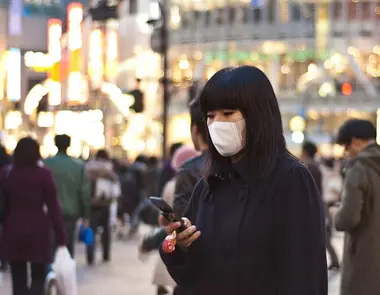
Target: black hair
{"points": [[329, 162], [102, 154], [247, 89], [174, 147], [141, 159], [62, 141], [310, 148], [355, 128], [153, 161], [27, 152], [197, 118]]}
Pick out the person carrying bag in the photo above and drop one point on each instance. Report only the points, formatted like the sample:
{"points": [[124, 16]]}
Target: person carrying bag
{"points": [[65, 269]]}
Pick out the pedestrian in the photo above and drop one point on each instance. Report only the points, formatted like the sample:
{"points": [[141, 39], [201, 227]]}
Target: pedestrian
{"points": [[359, 213], [257, 213], [73, 188], [332, 187], [105, 188], [186, 177], [309, 152], [4, 160], [139, 171], [161, 277], [191, 171], [32, 212], [167, 172]]}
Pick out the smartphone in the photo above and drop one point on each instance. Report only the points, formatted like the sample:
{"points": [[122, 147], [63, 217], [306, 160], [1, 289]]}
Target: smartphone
{"points": [[167, 212]]}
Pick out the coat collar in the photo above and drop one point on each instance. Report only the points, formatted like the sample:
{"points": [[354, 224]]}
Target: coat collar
{"points": [[237, 172]]}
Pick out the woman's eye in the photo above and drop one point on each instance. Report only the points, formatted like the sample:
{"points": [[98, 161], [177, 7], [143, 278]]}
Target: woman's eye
{"points": [[229, 113], [210, 116]]}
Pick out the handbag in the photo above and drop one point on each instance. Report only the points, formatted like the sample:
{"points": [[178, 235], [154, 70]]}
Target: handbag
{"points": [[3, 196]]}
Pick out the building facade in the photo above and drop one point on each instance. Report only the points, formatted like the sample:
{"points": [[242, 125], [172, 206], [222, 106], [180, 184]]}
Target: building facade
{"points": [[322, 57]]}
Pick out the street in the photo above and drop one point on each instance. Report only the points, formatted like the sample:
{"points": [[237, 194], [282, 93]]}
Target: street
{"points": [[127, 275]]}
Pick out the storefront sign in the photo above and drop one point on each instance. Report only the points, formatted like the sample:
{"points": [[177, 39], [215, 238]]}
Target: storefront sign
{"points": [[47, 8], [15, 17], [75, 91], [55, 56], [95, 64], [38, 61], [14, 74]]}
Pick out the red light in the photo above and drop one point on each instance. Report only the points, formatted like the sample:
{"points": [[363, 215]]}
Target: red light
{"points": [[346, 88]]}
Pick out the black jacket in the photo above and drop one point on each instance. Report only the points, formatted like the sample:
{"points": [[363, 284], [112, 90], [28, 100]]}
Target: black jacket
{"points": [[258, 237], [186, 179]]}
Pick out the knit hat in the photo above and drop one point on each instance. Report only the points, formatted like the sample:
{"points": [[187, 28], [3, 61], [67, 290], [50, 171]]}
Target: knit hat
{"points": [[182, 155]]}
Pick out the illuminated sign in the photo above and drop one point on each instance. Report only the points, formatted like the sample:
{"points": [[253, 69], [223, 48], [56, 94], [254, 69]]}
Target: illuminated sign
{"points": [[75, 18], [54, 39], [95, 64], [112, 55], [55, 56], [75, 91], [38, 61], [14, 74], [15, 17]]}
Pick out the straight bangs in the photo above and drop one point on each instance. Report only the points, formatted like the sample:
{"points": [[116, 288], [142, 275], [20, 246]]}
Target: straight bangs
{"points": [[248, 90], [220, 93]]}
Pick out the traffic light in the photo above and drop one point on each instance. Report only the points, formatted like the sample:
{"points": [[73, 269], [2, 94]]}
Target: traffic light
{"points": [[346, 88]]}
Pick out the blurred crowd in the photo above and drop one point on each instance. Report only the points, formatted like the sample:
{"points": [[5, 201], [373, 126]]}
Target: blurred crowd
{"points": [[251, 212]]}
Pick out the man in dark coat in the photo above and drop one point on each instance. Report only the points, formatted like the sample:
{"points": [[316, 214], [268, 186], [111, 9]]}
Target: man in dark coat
{"points": [[191, 172]]}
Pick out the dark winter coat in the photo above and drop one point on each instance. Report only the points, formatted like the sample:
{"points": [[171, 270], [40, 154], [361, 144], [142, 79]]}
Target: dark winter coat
{"points": [[258, 237], [186, 179]]}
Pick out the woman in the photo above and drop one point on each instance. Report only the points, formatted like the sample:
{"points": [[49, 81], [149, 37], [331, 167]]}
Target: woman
{"points": [[257, 214], [184, 153], [32, 210]]}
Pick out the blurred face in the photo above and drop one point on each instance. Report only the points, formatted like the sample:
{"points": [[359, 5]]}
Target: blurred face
{"points": [[227, 130], [356, 146]]}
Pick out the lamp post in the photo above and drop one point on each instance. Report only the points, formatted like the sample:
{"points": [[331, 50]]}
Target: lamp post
{"points": [[163, 49]]}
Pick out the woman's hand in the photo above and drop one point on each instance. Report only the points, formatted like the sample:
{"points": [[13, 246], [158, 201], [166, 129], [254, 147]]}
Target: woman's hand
{"points": [[184, 238]]}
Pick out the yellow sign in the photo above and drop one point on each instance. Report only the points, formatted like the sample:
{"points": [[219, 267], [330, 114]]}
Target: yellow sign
{"points": [[38, 61]]}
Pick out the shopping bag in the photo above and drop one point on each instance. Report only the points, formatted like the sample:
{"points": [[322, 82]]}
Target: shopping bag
{"points": [[65, 269], [86, 235]]}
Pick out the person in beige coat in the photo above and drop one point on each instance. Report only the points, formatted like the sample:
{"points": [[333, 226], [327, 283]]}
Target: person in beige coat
{"points": [[359, 213], [161, 276]]}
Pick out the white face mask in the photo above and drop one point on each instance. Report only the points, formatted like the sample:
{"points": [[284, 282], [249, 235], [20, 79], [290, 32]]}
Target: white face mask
{"points": [[226, 137]]}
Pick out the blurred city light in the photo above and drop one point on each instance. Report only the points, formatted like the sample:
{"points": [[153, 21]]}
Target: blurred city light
{"points": [[298, 137], [346, 88]]}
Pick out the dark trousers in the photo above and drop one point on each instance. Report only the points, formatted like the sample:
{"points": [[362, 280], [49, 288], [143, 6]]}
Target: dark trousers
{"points": [[20, 278], [70, 227], [100, 217]]}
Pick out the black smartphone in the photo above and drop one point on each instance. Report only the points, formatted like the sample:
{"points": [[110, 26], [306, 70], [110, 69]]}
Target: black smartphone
{"points": [[167, 212]]}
